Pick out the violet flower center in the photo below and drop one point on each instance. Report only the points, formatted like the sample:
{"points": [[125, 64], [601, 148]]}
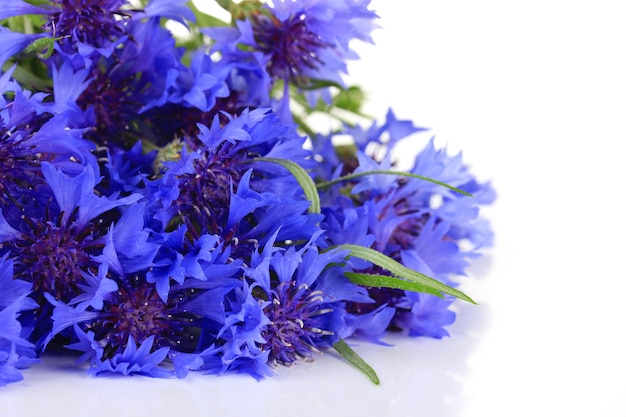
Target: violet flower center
{"points": [[291, 46]]}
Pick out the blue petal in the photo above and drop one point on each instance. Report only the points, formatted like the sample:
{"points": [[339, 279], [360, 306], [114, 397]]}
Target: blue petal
{"points": [[18, 7]]}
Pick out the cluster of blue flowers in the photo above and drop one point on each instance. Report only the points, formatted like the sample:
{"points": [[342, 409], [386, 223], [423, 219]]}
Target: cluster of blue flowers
{"points": [[156, 212]]}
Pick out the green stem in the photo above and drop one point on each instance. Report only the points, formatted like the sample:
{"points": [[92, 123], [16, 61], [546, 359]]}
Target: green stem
{"points": [[389, 172]]}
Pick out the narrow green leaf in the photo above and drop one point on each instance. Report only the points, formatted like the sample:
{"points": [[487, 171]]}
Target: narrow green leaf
{"points": [[303, 178], [400, 270], [389, 172], [386, 281], [351, 356]]}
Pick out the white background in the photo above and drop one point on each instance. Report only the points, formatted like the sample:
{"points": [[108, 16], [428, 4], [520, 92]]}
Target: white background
{"points": [[534, 94]]}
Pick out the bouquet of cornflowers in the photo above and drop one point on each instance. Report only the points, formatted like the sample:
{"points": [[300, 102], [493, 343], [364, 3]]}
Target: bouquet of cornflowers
{"points": [[167, 204]]}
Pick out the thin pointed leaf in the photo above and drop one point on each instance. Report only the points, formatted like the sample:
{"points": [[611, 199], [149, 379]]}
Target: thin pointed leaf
{"points": [[303, 178], [351, 356], [389, 172], [386, 281], [400, 270]]}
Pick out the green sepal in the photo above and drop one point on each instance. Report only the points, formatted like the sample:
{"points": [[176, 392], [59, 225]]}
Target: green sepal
{"points": [[43, 46], [402, 271], [351, 356], [390, 172], [303, 178]]}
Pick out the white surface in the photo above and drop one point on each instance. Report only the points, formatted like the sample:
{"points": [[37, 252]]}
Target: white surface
{"points": [[534, 93]]}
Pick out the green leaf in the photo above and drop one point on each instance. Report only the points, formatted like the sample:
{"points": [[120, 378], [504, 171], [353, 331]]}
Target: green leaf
{"points": [[400, 270], [386, 281], [303, 178], [389, 172], [351, 356]]}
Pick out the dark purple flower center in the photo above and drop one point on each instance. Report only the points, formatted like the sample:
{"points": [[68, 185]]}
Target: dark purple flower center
{"points": [[295, 314], [115, 103], [93, 22], [53, 257], [292, 48], [137, 310], [205, 195]]}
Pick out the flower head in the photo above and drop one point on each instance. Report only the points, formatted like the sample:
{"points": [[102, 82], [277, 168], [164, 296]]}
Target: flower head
{"points": [[56, 244], [305, 292], [207, 185], [306, 40], [31, 134]]}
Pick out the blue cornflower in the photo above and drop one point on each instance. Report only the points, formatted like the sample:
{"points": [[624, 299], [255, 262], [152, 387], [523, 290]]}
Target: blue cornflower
{"points": [[87, 28], [54, 248], [31, 134], [115, 62], [142, 91], [121, 85], [301, 41], [306, 40], [117, 310], [304, 293], [198, 188]]}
